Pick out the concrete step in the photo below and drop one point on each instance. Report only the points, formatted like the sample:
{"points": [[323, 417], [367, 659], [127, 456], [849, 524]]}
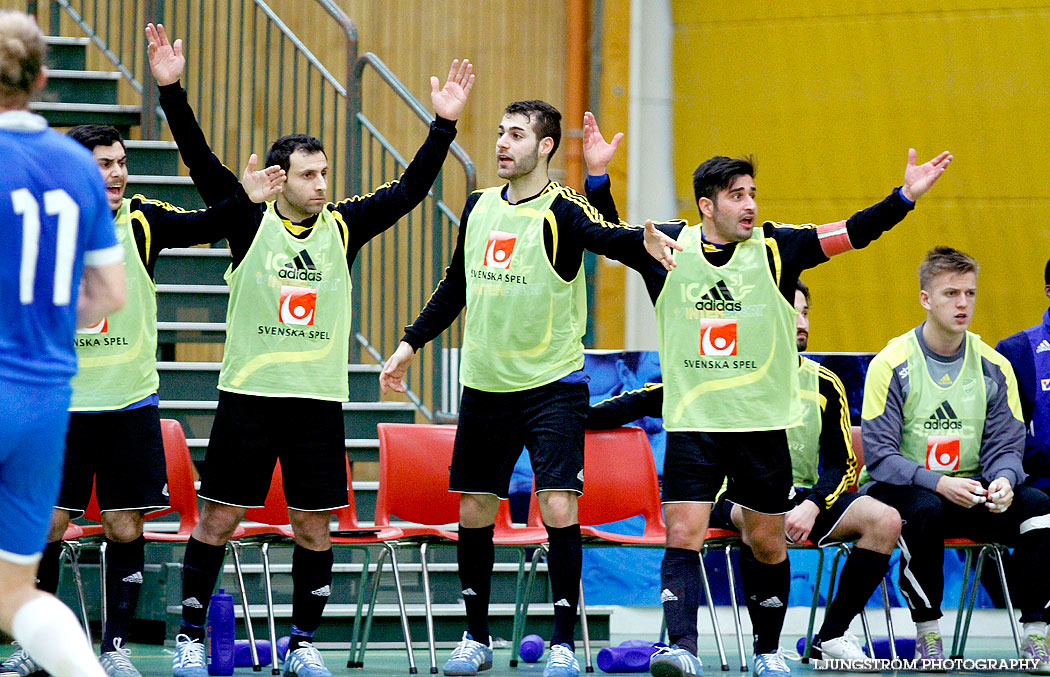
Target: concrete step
{"points": [[192, 264], [191, 332], [175, 190], [363, 449], [72, 114], [199, 380], [359, 418], [192, 302], [152, 158], [81, 86], [66, 53]]}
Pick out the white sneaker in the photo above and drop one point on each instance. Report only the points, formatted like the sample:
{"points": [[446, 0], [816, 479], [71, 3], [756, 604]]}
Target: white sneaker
{"points": [[845, 648], [19, 664]]}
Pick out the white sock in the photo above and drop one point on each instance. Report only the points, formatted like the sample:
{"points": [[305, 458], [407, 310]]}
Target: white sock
{"points": [[927, 626], [1036, 628], [50, 633]]}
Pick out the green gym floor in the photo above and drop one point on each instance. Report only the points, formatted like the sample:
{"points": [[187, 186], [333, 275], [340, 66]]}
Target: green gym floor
{"points": [[155, 661]]}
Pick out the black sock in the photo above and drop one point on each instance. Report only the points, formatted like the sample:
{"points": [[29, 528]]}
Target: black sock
{"points": [[476, 555], [564, 564], [124, 564], [48, 568], [311, 587], [766, 588], [861, 574], [201, 566], [680, 595]]}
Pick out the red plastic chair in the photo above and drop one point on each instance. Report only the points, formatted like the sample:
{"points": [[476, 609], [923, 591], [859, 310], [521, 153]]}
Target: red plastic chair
{"points": [[272, 527], [413, 487]]}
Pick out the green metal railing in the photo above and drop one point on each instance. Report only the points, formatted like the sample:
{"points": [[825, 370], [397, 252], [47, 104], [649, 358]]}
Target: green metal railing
{"points": [[244, 67], [417, 250]]}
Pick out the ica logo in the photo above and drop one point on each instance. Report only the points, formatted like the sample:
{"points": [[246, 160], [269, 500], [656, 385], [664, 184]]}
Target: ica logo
{"points": [[499, 249], [297, 305], [717, 337], [942, 453]]}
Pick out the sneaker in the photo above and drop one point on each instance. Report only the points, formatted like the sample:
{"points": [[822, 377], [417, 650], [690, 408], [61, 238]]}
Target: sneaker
{"points": [[305, 661], [930, 652], [1034, 648], [770, 665], [561, 662], [845, 648], [670, 661], [469, 657], [116, 662], [19, 664], [189, 658]]}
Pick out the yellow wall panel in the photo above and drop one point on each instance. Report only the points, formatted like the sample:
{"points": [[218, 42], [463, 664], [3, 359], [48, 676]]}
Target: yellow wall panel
{"points": [[830, 95]]}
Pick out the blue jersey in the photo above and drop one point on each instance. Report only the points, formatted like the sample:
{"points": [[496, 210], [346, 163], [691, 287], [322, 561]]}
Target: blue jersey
{"points": [[54, 218]]}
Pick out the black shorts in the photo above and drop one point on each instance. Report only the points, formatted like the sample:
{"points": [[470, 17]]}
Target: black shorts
{"points": [[123, 453], [826, 521], [251, 432], [757, 463], [493, 428]]}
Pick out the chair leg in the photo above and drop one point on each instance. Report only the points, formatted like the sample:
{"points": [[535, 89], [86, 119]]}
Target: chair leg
{"points": [[102, 583], [355, 635], [360, 662], [429, 608], [706, 583], [271, 624], [816, 601], [889, 621], [589, 666], [958, 642], [736, 609], [244, 605], [404, 614], [70, 551], [516, 632], [523, 613], [997, 554]]}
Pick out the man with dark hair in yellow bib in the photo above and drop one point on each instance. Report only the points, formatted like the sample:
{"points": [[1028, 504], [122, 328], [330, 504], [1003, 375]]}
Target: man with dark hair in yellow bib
{"points": [[944, 441], [518, 270], [731, 387], [287, 346]]}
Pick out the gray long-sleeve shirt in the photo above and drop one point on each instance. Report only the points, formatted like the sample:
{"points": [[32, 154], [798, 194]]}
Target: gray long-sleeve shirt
{"points": [[886, 389]]}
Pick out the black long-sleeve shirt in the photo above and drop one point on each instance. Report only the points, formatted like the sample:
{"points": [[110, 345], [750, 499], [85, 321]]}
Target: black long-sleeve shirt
{"points": [[837, 465], [790, 249], [365, 216], [575, 226]]}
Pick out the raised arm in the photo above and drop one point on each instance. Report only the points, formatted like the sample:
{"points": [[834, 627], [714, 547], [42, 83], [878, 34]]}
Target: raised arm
{"points": [[214, 181], [371, 214]]}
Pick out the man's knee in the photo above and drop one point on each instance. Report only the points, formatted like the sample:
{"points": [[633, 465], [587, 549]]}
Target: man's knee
{"points": [[59, 524], [769, 547], [311, 529], [218, 522], [122, 526], [881, 524], [686, 525], [558, 508], [477, 510]]}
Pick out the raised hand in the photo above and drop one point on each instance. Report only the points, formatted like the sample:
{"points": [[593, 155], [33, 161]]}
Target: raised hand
{"points": [[660, 246], [449, 100], [920, 178], [394, 369], [262, 185], [165, 59], [597, 153]]}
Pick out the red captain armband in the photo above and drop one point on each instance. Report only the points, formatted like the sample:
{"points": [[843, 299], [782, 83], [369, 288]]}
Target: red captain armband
{"points": [[834, 239]]}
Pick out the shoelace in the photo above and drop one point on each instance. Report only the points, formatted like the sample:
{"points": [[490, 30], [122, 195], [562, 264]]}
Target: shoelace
{"points": [[191, 658], [121, 655], [310, 656], [561, 657], [854, 643], [465, 649], [1039, 644], [772, 661], [929, 643]]}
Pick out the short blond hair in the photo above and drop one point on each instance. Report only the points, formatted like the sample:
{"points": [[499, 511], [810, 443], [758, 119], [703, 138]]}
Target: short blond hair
{"points": [[945, 260], [22, 55]]}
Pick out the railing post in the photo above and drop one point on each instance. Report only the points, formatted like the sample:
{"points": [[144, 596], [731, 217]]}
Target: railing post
{"points": [[153, 12], [31, 9], [54, 19]]}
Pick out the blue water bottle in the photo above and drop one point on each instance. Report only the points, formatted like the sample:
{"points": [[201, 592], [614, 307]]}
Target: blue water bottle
{"points": [[630, 656], [221, 634], [531, 649]]}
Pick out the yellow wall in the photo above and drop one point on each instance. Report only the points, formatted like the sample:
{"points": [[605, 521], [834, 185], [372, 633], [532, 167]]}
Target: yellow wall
{"points": [[829, 94]]}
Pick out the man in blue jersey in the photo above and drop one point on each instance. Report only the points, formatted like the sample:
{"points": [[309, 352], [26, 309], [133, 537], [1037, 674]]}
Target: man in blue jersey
{"points": [[60, 267]]}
